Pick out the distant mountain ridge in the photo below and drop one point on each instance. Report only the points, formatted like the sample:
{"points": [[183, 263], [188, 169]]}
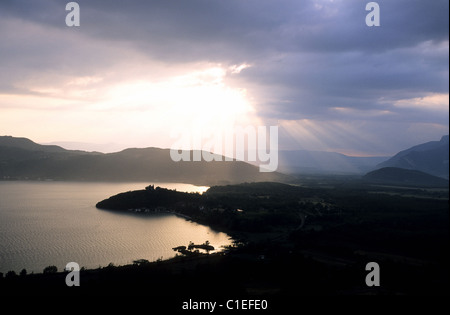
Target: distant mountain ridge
{"points": [[430, 157], [305, 161], [21, 158], [27, 144]]}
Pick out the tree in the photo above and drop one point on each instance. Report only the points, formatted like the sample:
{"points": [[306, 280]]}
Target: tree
{"points": [[50, 269], [23, 273], [10, 274]]}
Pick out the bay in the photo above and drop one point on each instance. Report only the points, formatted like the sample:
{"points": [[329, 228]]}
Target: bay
{"points": [[53, 223]]}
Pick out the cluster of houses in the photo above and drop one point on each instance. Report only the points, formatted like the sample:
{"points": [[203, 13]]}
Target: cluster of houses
{"points": [[158, 210]]}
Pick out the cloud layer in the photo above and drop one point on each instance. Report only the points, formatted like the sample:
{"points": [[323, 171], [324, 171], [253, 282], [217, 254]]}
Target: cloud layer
{"points": [[313, 67]]}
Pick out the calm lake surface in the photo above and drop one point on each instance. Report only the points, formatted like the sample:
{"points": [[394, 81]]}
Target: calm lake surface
{"points": [[53, 223]]}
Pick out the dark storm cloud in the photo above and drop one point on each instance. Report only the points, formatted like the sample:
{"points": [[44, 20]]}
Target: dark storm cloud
{"points": [[306, 56], [217, 28], [252, 26], [311, 82]]}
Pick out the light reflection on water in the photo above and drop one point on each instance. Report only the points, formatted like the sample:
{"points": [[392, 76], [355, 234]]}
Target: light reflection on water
{"points": [[53, 223]]}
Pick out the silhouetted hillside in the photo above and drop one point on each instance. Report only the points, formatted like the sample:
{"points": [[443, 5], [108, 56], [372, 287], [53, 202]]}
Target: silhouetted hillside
{"points": [[430, 157], [27, 144], [21, 158], [400, 176]]}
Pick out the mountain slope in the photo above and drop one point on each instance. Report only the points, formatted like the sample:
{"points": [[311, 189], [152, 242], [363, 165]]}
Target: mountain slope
{"points": [[23, 159], [400, 176], [431, 157], [27, 144]]}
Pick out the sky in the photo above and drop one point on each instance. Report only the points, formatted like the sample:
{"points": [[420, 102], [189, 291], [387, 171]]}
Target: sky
{"points": [[143, 73]]}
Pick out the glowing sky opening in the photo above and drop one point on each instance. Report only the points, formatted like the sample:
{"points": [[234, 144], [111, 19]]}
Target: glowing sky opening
{"points": [[133, 109]]}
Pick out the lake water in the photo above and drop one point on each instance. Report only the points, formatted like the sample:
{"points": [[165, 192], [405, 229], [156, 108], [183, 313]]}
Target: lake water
{"points": [[53, 223]]}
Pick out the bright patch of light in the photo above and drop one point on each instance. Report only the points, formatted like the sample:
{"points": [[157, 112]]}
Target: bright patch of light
{"points": [[435, 102], [199, 99], [141, 112], [238, 68]]}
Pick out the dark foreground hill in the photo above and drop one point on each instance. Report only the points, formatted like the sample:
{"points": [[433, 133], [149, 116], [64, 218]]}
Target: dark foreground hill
{"points": [[400, 176], [21, 158]]}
